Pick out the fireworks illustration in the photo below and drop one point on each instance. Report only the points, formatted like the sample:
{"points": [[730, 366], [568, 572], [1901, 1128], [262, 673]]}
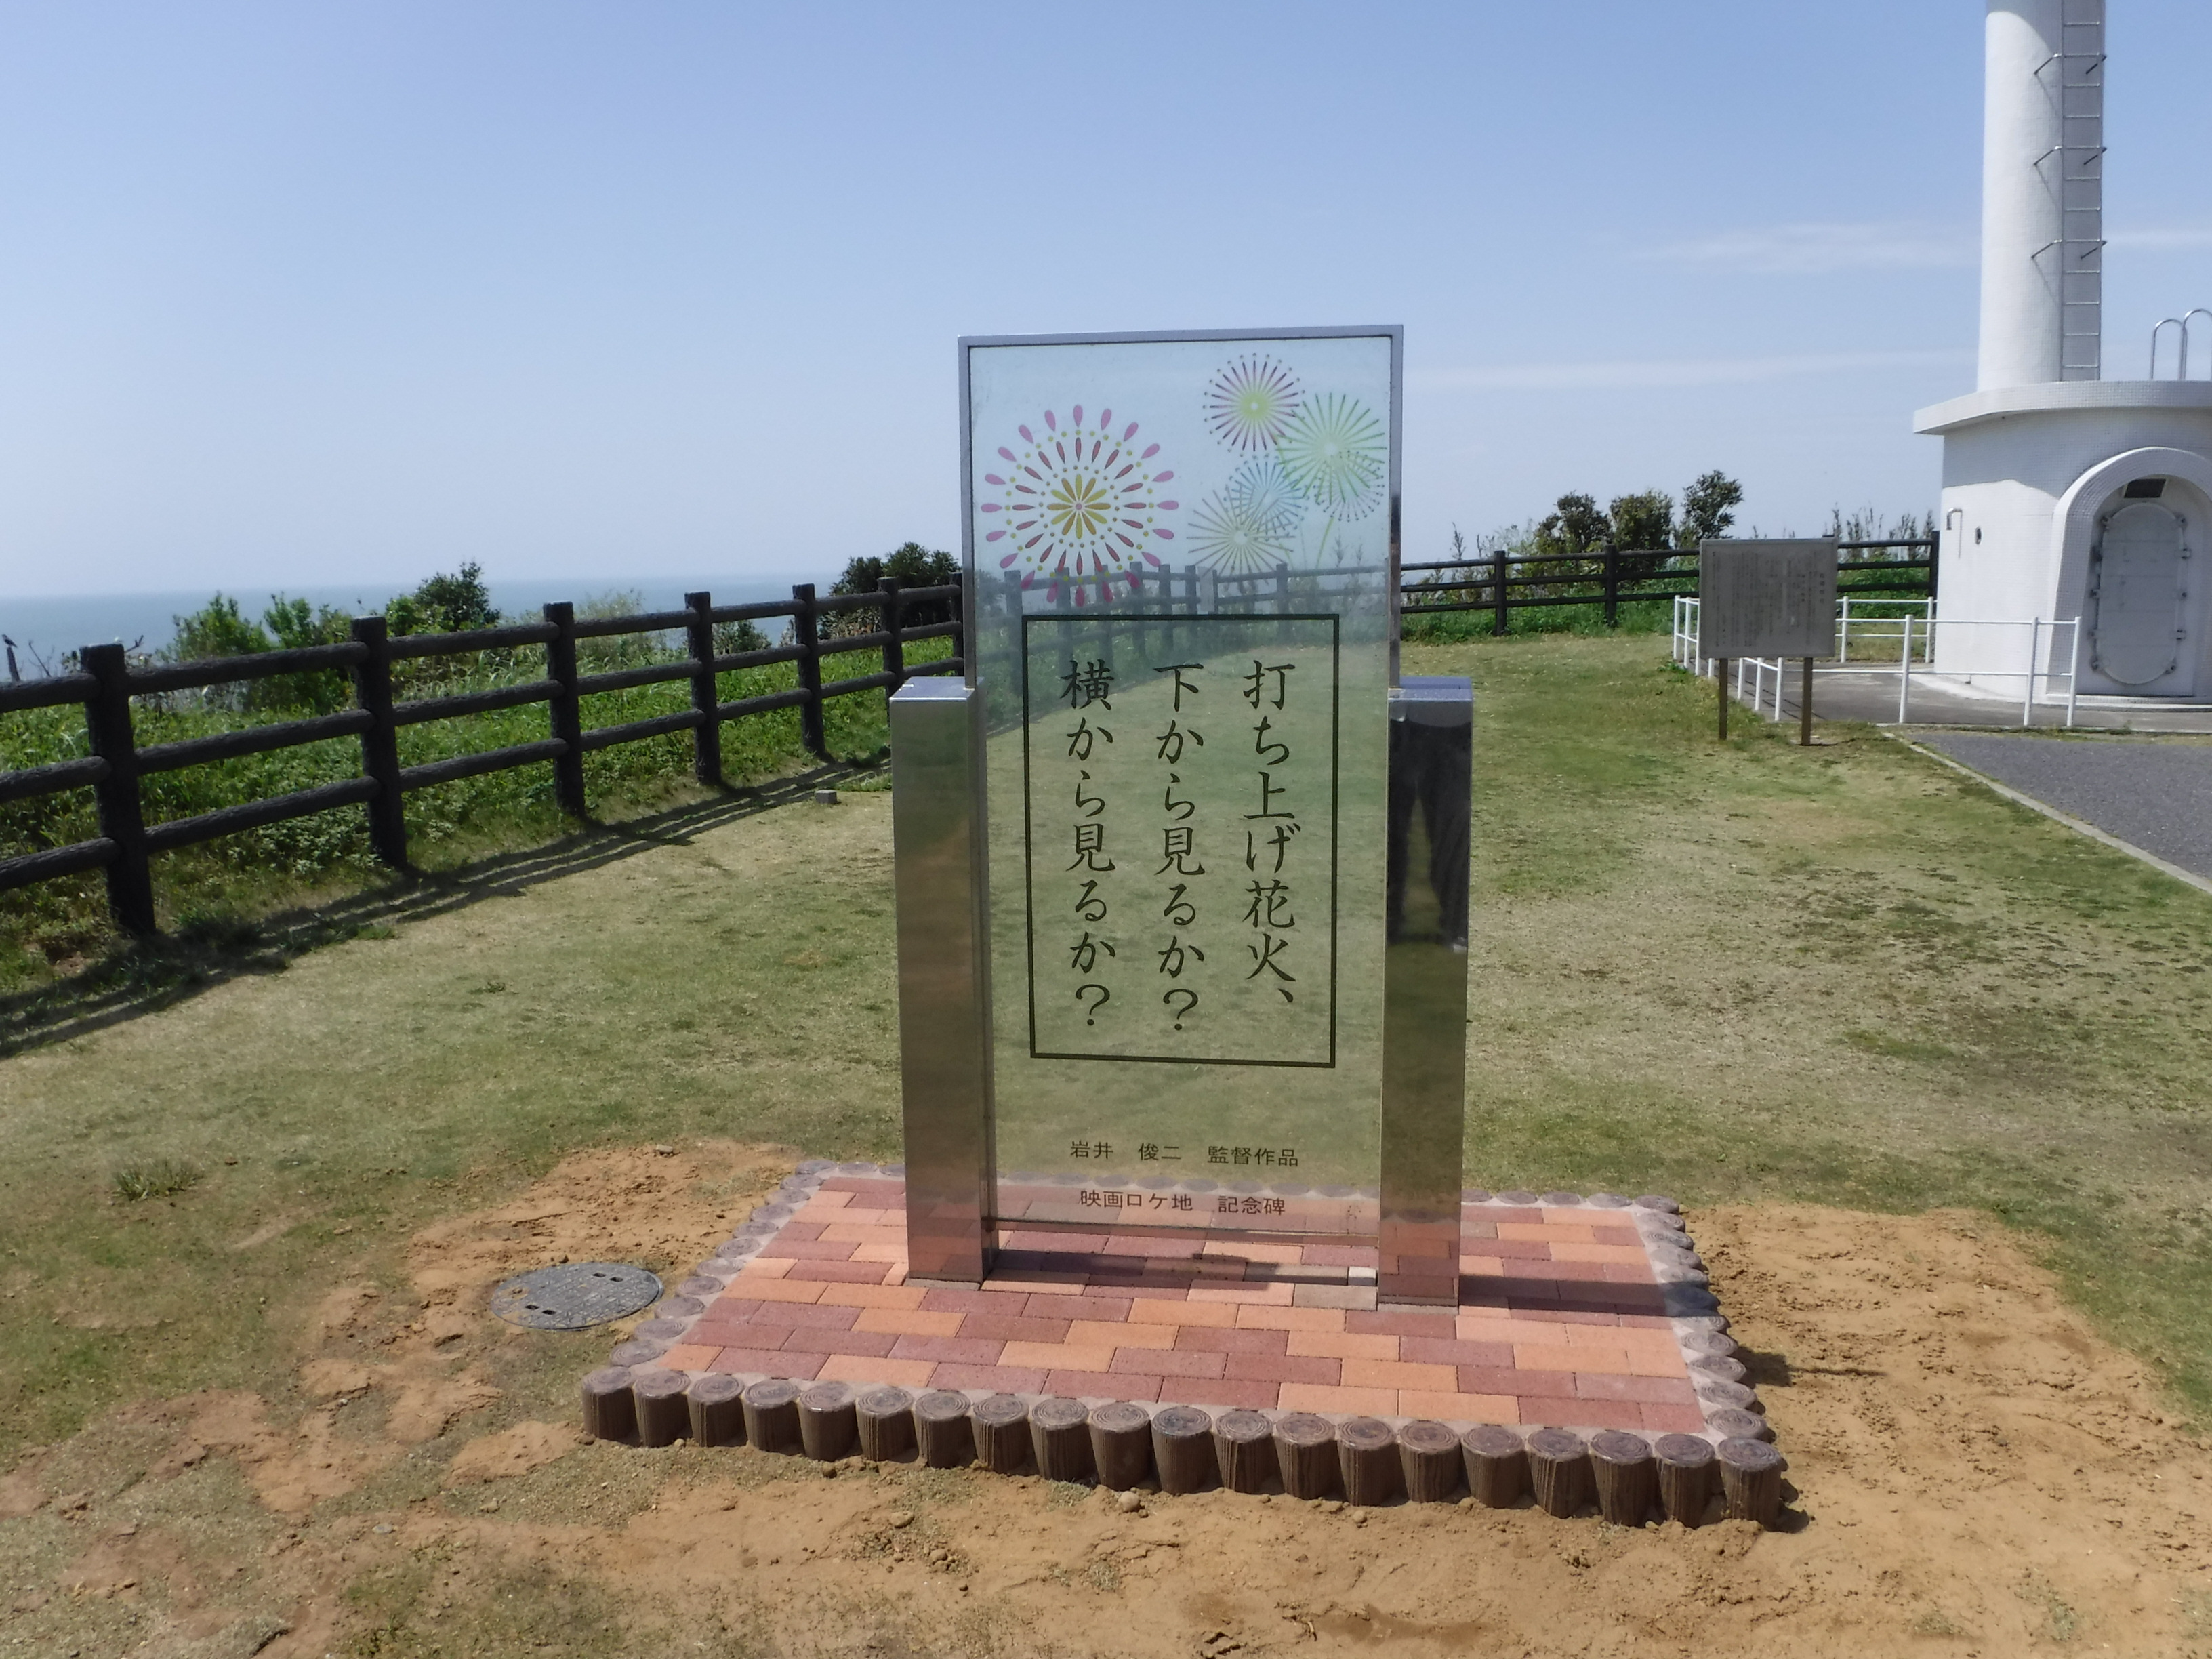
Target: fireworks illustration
{"points": [[1231, 536], [1251, 522], [1078, 504], [1250, 402], [1333, 451], [1261, 489]]}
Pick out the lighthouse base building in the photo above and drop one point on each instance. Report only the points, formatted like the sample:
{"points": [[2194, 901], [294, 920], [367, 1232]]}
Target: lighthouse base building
{"points": [[2076, 509]]}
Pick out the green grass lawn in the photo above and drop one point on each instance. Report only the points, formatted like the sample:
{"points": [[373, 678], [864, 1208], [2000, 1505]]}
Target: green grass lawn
{"points": [[1741, 973]]}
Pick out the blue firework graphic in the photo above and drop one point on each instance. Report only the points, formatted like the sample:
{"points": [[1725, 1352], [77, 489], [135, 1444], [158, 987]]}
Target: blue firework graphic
{"points": [[1264, 491]]}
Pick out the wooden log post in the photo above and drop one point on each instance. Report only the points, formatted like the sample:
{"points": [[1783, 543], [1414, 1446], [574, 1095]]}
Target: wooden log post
{"points": [[717, 1411], [122, 818], [1497, 573], [380, 744], [1717, 1392], [1612, 574], [772, 1415], [610, 1413], [706, 736], [1685, 1476], [663, 1415], [893, 646], [1060, 1437], [942, 1431], [1244, 1450], [1429, 1461], [884, 1418], [1305, 1455], [1121, 1444], [1367, 1461], [1558, 1471], [1497, 1465], [827, 1425], [1751, 1480], [1183, 1449], [564, 712], [1002, 1433], [1625, 1475], [1731, 1423], [806, 633]]}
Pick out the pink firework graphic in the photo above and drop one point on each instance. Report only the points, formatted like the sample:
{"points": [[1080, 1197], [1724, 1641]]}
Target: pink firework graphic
{"points": [[1078, 504]]}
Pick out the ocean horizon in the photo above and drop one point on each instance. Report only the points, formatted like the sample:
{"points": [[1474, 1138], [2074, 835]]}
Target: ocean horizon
{"points": [[45, 628]]}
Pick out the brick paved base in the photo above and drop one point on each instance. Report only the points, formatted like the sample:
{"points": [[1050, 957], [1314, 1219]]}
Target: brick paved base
{"points": [[1587, 1314]]}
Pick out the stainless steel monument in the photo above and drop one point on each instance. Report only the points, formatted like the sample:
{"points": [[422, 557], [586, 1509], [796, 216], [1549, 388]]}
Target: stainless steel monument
{"points": [[1183, 867]]}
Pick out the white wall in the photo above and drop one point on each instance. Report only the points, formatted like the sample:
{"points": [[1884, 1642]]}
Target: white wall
{"points": [[2012, 555]]}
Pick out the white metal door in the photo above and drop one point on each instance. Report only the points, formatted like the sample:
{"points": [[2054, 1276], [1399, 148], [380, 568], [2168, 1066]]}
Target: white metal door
{"points": [[2139, 587]]}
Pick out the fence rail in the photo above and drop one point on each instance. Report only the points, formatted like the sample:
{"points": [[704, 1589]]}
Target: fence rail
{"points": [[107, 681], [1631, 573]]}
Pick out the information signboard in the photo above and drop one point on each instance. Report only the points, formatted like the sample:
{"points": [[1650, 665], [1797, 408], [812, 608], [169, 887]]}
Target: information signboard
{"points": [[1773, 599], [1182, 555]]}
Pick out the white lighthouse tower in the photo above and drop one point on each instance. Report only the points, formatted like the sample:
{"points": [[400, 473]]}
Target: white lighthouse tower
{"points": [[2068, 495]]}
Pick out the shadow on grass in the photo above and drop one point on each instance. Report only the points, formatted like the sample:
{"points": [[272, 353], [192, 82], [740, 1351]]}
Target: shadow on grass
{"points": [[150, 975]]}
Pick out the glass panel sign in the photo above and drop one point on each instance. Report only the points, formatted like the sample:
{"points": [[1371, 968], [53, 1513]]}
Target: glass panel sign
{"points": [[1181, 552]]}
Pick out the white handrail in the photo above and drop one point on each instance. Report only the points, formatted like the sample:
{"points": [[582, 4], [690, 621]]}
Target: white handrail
{"points": [[1915, 631]]}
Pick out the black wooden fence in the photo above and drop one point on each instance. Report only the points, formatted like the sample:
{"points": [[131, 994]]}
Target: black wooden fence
{"points": [[106, 683], [1502, 582]]}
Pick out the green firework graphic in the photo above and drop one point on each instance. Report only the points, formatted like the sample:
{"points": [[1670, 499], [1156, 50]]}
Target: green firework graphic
{"points": [[1333, 451]]}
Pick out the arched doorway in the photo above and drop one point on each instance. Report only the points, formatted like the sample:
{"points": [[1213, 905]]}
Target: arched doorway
{"points": [[2139, 591]]}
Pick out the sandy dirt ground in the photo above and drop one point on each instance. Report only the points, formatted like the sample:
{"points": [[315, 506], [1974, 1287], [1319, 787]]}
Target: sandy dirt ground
{"points": [[1973, 1473]]}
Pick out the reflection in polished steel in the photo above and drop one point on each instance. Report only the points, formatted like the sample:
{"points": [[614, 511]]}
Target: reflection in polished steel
{"points": [[1424, 989], [944, 1004]]}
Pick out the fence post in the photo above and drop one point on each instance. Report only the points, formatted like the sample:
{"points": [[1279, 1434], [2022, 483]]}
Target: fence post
{"points": [[1612, 586], [380, 744], [894, 648], [706, 736], [565, 713], [1497, 589], [122, 820], [961, 609], [808, 634]]}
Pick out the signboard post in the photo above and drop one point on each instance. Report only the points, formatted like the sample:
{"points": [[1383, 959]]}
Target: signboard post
{"points": [[1202, 837], [1773, 599]]}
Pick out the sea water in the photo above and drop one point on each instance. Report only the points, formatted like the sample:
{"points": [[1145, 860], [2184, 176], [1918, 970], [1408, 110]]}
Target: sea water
{"points": [[45, 628]]}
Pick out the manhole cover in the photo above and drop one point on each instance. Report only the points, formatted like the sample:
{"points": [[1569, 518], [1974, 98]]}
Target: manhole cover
{"points": [[575, 1294]]}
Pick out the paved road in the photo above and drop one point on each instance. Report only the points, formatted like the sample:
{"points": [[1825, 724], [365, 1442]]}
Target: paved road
{"points": [[2156, 794]]}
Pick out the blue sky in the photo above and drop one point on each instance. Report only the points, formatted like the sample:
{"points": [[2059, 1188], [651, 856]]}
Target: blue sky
{"points": [[304, 295]]}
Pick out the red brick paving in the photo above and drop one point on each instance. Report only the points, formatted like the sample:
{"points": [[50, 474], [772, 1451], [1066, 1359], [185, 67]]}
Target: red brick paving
{"points": [[1559, 1319]]}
